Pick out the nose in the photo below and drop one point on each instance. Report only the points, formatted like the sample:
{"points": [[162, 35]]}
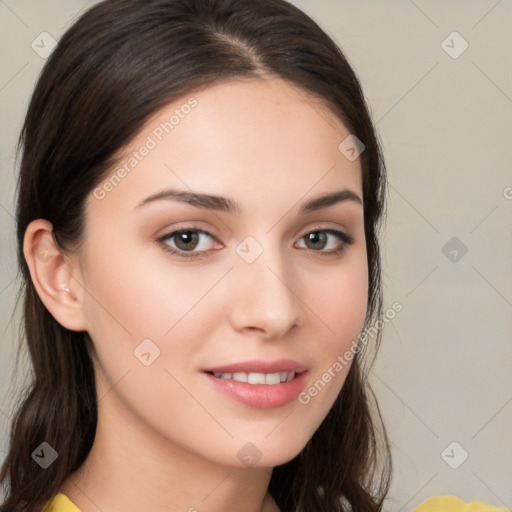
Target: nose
{"points": [[265, 299]]}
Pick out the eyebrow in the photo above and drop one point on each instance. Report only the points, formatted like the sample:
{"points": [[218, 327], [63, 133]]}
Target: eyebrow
{"points": [[226, 205]]}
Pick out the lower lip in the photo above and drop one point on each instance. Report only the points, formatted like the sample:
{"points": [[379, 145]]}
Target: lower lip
{"points": [[261, 396]]}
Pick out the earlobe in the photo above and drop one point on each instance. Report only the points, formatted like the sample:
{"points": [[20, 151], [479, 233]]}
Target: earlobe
{"points": [[55, 275]]}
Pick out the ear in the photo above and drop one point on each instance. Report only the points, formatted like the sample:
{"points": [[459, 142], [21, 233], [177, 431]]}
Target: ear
{"points": [[55, 275]]}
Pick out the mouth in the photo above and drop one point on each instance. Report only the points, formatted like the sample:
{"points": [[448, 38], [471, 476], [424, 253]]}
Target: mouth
{"points": [[261, 385], [270, 379]]}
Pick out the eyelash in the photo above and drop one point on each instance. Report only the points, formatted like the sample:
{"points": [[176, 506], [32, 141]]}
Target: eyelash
{"points": [[345, 239]]}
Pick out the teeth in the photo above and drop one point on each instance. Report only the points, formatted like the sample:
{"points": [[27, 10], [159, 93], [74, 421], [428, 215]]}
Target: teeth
{"points": [[257, 378], [240, 376], [273, 378]]}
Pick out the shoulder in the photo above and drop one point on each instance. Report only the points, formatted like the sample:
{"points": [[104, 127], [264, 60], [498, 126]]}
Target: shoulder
{"points": [[60, 503], [454, 504]]}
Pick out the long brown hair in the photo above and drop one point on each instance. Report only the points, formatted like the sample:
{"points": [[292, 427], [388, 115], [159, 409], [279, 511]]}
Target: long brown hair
{"points": [[121, 62]]}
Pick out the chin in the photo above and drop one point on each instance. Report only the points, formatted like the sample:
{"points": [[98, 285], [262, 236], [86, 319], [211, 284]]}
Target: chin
{"points": [[270, 452]]}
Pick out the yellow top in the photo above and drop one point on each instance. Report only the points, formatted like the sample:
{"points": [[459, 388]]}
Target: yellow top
{"points": [[62, 503], [454, 504]]}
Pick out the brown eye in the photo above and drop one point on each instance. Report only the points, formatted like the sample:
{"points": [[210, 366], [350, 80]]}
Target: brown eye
{"points": [[316, 240], [328, 241], [186, 240]]}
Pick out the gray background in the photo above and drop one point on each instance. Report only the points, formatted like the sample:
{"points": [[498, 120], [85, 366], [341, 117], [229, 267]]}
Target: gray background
{"points": [[443, 374]]}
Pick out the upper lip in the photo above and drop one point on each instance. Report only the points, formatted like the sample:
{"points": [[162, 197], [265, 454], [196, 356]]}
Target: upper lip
{"points": [[281, 365]]}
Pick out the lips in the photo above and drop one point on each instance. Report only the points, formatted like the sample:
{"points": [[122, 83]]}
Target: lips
{"points": [[281, 365], [260, 384], [270, 379]]}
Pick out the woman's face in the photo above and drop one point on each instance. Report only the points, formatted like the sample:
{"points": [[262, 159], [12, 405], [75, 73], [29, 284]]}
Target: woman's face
{"points": [[210, 253]]}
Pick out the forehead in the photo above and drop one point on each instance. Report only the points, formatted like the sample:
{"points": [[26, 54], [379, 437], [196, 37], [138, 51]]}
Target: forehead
{"points": [[249, 139]]}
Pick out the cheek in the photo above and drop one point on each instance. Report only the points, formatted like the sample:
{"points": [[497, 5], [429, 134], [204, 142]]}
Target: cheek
{"points": [[133, 295], [128, 290], [345, 302], [339, 299], [340, 303]]}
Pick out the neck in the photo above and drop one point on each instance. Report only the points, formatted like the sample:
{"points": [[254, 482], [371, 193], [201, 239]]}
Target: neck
{"points": [[130, 469]]}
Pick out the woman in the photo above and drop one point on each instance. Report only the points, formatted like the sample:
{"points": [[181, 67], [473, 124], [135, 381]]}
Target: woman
{"points": [[200, 194]]}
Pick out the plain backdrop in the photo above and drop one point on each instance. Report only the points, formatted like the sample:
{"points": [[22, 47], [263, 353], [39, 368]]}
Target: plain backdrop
{"points": [[438, 78]]}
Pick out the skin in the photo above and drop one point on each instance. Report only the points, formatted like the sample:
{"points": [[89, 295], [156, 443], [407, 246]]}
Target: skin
{"points": [[167, 440]]}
